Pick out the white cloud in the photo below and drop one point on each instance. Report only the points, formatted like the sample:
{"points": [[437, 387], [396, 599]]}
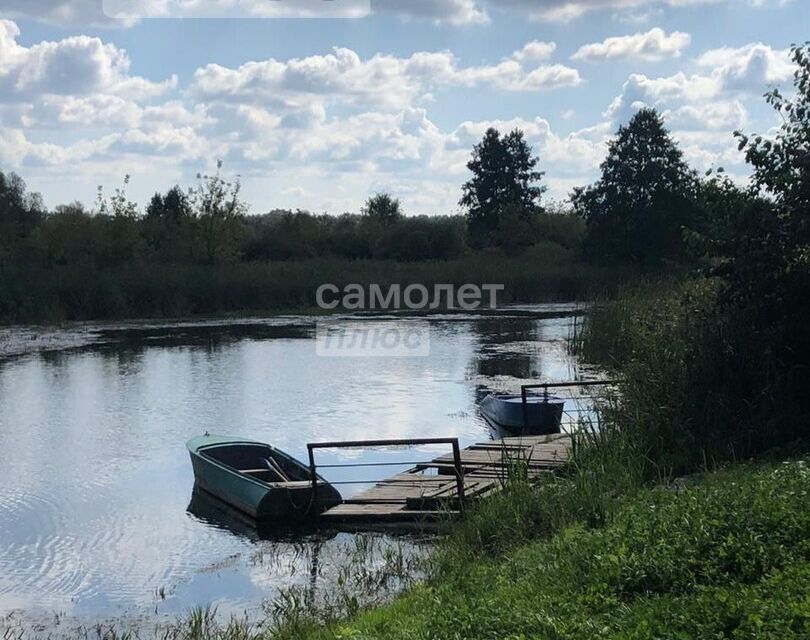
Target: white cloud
{"points": [[725, 116], [13, 146], [57, 11], [640, 91], [730, 72], [703, 109], [455, 12], [129, 12], [535, 50], [79, 91], [78, 65], [566, 10], [748, 68], [321, 131], [164, 139], [653, 45], [574, 153], [383, 81], [98, 110], [353, 114], [460, 13], [643, 15], [706, 149], [18, 149]]}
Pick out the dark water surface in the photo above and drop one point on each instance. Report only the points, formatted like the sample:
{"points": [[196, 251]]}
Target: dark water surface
{"points": [[95, 481]]}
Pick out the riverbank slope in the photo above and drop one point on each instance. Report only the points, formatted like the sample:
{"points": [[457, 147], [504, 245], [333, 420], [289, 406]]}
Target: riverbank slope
{"points": [[723, 555]]}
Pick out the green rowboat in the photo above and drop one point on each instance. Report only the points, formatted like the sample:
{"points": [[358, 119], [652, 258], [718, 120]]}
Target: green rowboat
{"points": [[258, 480]]}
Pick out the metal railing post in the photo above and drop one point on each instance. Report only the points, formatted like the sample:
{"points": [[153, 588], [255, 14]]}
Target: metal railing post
{"points": [[459, 474], [523, 395], [312, 472]]}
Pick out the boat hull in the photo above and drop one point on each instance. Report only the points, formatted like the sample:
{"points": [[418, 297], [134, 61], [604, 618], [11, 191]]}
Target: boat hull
{"points": [[272, 502], [505, 412]]}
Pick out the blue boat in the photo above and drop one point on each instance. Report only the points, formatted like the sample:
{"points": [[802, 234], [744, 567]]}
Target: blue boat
{"points": [[259, 480], [505, 412]]}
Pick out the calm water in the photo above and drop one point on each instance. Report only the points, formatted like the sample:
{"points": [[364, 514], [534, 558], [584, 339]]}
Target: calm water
{"points": [[95, 482]]}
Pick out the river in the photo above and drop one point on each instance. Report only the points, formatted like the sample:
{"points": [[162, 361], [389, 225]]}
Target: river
{"points": [[95, 481]]}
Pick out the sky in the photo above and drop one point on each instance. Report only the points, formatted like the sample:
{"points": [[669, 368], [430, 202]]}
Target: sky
{"points": [[318, 104]]}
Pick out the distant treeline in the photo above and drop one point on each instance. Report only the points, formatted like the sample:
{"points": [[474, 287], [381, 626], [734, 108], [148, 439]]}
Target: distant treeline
{"points": [[196, 252]]}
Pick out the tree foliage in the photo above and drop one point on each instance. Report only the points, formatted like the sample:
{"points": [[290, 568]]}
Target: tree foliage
{"points": [[770, 249], [20, 210], [767, 268], [782, 164], [718, 369], [505, 180], [383, 208], [219, 211], [173, 207], [636, 211]]}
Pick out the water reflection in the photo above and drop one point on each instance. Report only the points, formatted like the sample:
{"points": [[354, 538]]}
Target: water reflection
{"points": [[207, 509], [505, 347], [95, 480]]}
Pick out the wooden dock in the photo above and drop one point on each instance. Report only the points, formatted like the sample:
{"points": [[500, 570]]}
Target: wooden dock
{"points": [[439, 489]]}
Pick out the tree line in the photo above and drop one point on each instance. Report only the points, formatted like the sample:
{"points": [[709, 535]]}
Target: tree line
{"points": [[634, 213]]}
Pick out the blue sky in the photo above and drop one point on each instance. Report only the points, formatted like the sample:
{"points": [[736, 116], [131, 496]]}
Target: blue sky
{"points": [[321, 113]]}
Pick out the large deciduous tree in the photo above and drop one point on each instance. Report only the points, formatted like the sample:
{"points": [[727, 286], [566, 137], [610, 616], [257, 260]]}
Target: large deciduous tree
{"points": [[219, 211], [172, 208], [647, 193], [383, 208], [757, 335], [505, 180], [169, 225]]}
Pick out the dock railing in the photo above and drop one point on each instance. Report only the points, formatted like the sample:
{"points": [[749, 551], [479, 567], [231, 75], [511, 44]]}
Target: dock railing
{"points": [[368, 444]]}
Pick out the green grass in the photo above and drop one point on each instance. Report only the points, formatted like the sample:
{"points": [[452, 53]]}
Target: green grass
{"points": [[727, 556]]}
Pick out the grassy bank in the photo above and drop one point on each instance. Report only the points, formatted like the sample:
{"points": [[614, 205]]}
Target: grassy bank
{"points": [[725, 555], [547, 272]]}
